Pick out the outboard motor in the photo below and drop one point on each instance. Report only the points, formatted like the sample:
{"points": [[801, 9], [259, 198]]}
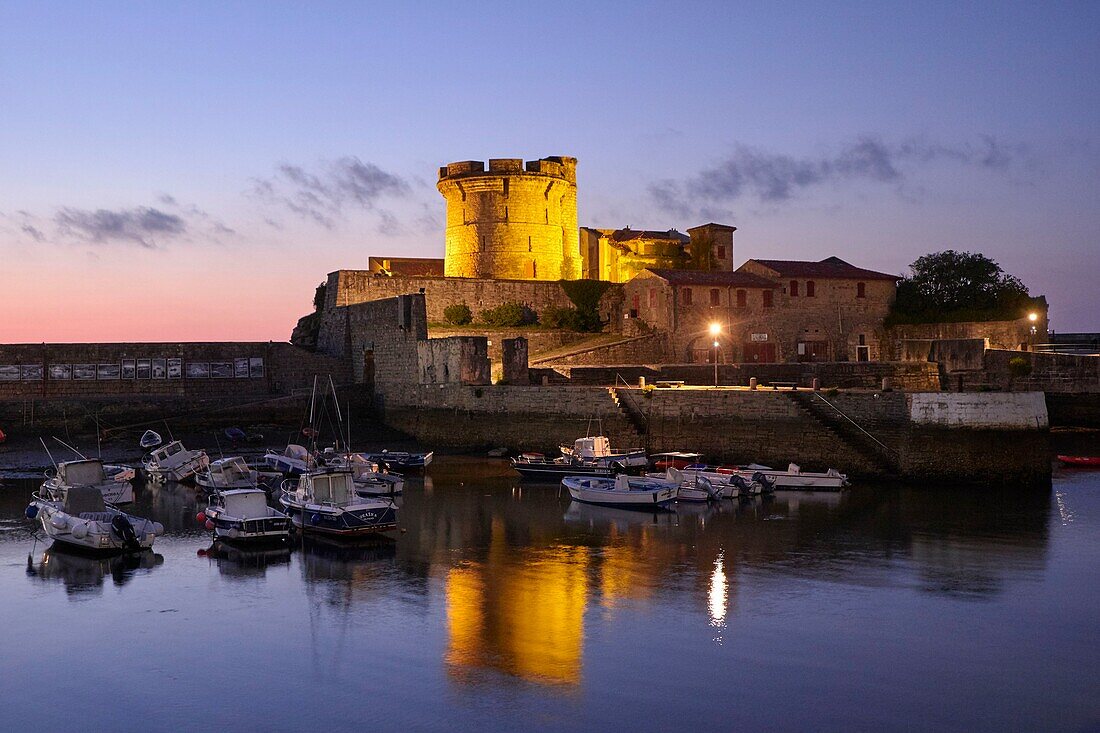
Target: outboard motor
{"points": [[704, 483], [765, 483], [121, 526], [741, 484]]}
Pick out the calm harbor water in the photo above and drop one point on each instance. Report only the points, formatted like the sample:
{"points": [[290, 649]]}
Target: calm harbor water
{"points": [[505, 607]]}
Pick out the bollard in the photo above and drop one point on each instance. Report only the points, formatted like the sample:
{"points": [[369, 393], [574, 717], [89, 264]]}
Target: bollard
{"points": [[641, 382], [752, 382], [886, 384], [816, 384]]}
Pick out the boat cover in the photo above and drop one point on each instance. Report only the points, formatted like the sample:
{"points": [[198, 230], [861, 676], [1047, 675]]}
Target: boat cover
{"points": [[246, 505], [83, 500], [89, 472], [150, 439]]}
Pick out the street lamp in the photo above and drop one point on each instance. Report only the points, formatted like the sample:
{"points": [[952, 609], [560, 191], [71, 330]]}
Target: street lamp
{"points": [[715, 329]]}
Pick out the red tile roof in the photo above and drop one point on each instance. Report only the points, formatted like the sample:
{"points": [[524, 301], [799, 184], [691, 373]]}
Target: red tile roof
{"points": [[626, 235], [709, 277], [830, 267]]}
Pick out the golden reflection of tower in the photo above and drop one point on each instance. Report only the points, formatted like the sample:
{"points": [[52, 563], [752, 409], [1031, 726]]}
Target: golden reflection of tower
{"points": [[520, 611]]}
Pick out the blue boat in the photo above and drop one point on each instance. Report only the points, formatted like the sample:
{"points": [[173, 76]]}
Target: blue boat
{"points": [[326, 502]]}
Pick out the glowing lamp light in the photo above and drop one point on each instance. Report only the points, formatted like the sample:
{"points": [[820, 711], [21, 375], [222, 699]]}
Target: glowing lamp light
{"points": [[715, 329], [1030, 316]]}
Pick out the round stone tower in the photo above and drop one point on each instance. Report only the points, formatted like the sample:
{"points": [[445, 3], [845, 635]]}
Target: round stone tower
{"points": [[515, 220]]}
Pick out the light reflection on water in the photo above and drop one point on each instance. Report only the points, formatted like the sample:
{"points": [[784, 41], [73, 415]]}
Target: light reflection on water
{"points": [[504, 605]]}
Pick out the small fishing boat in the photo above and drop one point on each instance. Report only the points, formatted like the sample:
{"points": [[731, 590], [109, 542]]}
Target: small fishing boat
{"points": [[370, 479], [325, 501], [641, 492], [113, 486], [597, 449], [401, 459], [793, 478], [122, 474], [173, 462], [242, 515], [537, 465], [293, 461], [1081, 461], [232, 473], [80, 519], [730, 485]]}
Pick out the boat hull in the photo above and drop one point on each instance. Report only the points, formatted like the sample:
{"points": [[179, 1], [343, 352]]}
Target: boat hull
{"points": [[341, 522], [97, 537], [1081, 461], [603, 493]]}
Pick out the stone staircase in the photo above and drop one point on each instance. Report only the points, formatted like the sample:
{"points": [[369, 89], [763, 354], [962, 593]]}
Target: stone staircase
{"points": [[633, 416], [846, 432]]}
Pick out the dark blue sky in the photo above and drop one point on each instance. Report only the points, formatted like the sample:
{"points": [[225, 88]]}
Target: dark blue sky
{"points": [[260, 145]]}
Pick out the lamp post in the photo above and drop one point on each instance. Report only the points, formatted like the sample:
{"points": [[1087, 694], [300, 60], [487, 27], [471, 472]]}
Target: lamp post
{"points": [[1033, 317], [715, 329]]}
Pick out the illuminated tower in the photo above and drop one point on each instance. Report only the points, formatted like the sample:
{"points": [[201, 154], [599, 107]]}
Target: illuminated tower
{"points": [[515, 220]]}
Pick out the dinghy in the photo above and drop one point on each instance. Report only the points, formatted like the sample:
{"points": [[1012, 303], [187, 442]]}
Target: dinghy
{"points": [[89, 472], [293, 461], [793, 478], [641, 492], [150, 439], [326, 502], [242, 515], [81, 519], [729, 485], [173, 462], [230, 473], [369, 479]]}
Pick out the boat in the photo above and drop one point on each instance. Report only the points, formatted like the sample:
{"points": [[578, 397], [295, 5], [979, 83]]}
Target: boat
{"points": [[401, 459], [232, 473], [730, 484], [173, 462], [295, 460], [641, 492], [325, 501], [537, 465], [242, 515], [113, 485], [80, 519], [597, 448], [694, 488], [122, 474], [793, 478], [1081, 461], [150, 439], [676, 459], [369, 479]]}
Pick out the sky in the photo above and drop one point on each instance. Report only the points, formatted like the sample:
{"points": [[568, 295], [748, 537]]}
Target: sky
{"points": [[192, 170]]}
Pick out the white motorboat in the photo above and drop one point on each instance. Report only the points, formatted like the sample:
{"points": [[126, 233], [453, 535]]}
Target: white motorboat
{"points": [[730, 485], [326, 502], [113, 486], [693, 488], [597, 449], [293, 461], [641, 492], [369, 479], [229, 473], [173, 462], [794, 477], [243, 515], [80, 518]]}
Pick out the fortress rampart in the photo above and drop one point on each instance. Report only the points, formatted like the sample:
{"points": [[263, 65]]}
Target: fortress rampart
{"points": [[512, 220]]}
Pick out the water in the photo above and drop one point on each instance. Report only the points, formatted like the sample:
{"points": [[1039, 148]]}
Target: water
{"points": [[504, 607]]}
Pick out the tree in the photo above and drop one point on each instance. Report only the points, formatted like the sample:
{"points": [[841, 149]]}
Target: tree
{"points": [[319, 296], [959, 286]]}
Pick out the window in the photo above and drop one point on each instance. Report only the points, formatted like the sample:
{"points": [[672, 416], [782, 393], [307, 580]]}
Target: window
{"points": [[635, 302], [505, 213], [685, 297], [742, 299], [794, 288], [652, 297], [767, 299], [715, 297], [721, 252], [810, 288], [534, 269], [861, 290]]}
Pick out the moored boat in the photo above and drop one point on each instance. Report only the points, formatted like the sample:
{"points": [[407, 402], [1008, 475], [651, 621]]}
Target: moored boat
{"points": [[641, 492], [173, 462], [232, 473], [793, 478], [81, 519], [401, 459], [242, 515], [370, 479], [325, 502], [1081, 461], [597, 449], [536, 465], [114, 486], [293, 461]]}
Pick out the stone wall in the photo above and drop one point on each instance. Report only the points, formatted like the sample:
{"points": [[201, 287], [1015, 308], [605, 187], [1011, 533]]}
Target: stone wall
{"points": [[56, 371], [1010, 335], [635, 350], [538, 339], [379, 338], [454, 360]]}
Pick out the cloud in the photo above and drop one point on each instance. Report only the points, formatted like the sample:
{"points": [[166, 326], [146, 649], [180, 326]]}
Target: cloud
{"points": [[777, 177], [33, 232], [143, 226], [325, 195]]}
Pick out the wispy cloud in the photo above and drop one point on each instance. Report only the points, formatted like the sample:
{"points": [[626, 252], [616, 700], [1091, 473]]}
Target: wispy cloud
{"points": [[143, 225], [776, 177], [328, 193]]}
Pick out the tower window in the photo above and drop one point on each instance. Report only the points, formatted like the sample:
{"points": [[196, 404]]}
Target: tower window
{"points": [[721, 252], [810, 288], [861, 290], [505, 213], [529, 244], [794, 288], [547, 211], [505, 188], [534, 269]]}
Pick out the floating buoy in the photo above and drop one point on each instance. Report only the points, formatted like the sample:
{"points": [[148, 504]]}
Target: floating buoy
{"points": [[209, 525], [31, 512], [59, 522], [201, 552], [200, 517]]}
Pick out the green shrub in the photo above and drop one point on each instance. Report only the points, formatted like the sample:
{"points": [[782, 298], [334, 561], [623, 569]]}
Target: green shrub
{"points": [[458, 314], [648, 390], [508, 314], [585, 295], [1018, 366], [561, 317]]}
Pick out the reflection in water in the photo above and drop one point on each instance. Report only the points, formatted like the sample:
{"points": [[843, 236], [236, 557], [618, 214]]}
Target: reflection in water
{"points": [[239, 562], [82, 574], [718, 598], [520, 612]]}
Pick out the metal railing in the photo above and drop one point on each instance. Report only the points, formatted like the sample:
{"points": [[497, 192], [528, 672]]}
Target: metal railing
{"points": [[631, 408], [889, 451]]}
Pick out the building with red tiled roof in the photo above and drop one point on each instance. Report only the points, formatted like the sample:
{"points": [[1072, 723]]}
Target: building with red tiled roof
{"points": [[617, 255], [830, 267]]}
